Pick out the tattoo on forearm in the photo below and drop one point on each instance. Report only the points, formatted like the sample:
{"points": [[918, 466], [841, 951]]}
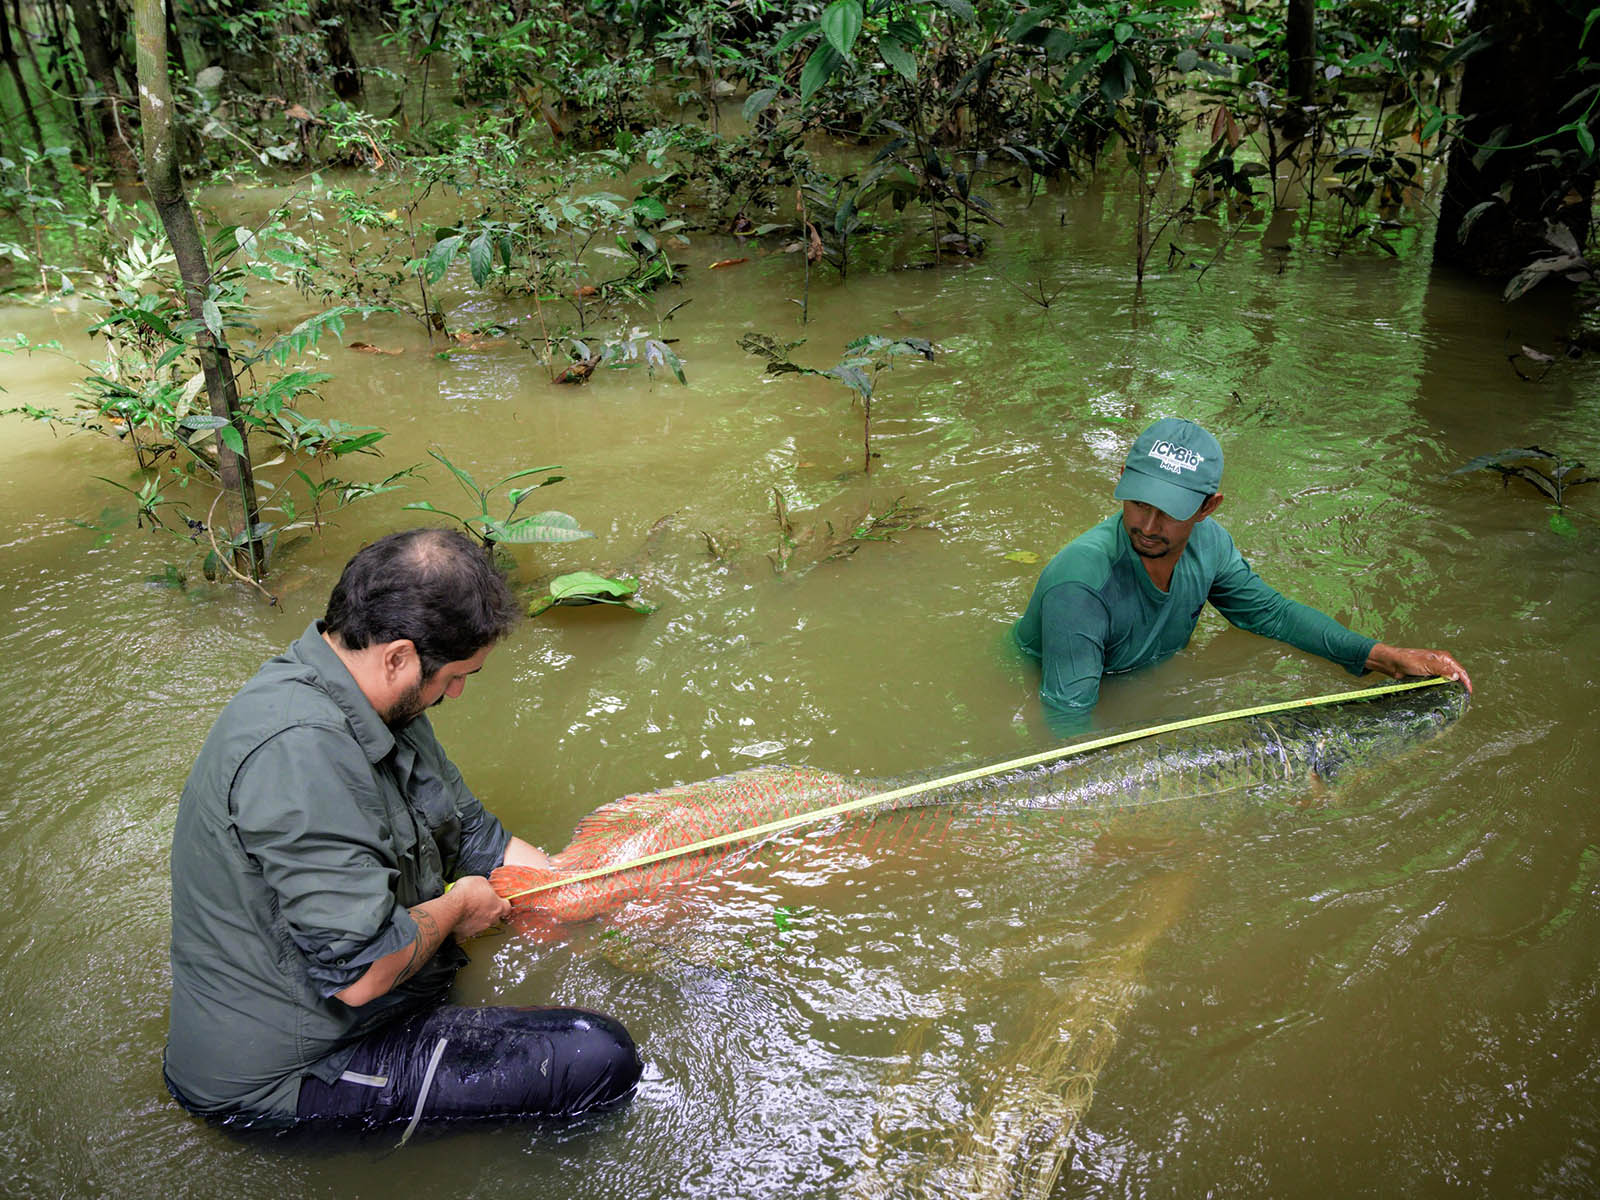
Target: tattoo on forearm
{"points": [[429, 937]]}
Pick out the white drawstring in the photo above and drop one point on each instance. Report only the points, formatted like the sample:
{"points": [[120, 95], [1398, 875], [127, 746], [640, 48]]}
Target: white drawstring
{"points": [[427, 1083]]}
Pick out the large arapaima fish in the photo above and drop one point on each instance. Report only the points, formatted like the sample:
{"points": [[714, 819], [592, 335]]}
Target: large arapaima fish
{"points": [[1189, 766]]}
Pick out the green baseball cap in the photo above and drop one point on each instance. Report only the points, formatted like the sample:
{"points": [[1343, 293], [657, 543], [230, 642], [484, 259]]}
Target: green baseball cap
{"points": [[1174, 465]]}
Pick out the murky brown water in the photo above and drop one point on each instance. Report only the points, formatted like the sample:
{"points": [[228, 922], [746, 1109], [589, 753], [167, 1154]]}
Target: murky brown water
{"points": [[1388, 988]]}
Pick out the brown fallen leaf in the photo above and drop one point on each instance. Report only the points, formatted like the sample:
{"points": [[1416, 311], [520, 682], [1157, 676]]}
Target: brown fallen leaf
{"points": [[727, 262], [585, 289], [579, 371], [369, 348]]}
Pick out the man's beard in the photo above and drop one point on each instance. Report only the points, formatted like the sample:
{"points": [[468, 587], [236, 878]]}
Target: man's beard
{"points": [[407, 708], [1162, 552]]}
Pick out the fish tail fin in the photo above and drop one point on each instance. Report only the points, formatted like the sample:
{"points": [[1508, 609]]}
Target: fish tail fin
{"points": [[512, 883]]}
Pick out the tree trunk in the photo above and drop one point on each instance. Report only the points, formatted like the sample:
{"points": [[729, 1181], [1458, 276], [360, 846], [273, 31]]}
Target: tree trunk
{"points": [[8, 51], [60, 51], [97, 61], [1301, 44], [1512, 94], [165, 182], [344, 72]]}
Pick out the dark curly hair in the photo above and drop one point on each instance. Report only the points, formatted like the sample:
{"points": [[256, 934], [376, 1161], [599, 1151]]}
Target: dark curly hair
{"points": [[435, 587]]}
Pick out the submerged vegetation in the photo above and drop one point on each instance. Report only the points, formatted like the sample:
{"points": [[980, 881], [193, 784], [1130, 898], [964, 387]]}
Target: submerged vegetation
{"points": [[560, 158]]}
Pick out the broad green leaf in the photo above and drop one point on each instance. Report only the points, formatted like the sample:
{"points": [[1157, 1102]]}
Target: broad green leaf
{"points": [[213, 316], [852, 377], [1562, 525], [795, 35], [758, 102], [1022, 556], [650, 209], [899, 58], [1501, 457], [841, 23], [824, 61], [588, 587], [441, 256], [541, 527], [480, 258], [230, 438]]}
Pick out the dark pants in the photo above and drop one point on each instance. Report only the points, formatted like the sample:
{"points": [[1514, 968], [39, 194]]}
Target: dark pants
{"points": [[453, 1062]]}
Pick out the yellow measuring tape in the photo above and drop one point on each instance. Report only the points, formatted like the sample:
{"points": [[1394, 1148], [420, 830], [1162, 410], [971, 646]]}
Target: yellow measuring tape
{"points": [[1116, 739]]}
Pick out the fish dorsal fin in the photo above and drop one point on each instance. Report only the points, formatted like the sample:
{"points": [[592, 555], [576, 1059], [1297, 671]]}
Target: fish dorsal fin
{"points": [[631, 815]]}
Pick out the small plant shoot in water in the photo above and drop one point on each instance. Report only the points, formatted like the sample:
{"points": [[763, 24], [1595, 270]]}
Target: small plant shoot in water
{"points": [[864, 360], [548, 526], [1554, 485]]}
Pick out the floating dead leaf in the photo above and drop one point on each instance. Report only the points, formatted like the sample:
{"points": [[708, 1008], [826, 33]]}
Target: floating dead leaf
{"points": [[727, 262], [1021, 556], [579, 371], [1538, 356], [369, 348]]}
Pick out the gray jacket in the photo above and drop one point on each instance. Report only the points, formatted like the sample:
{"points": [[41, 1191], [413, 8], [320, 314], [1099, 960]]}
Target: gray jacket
{"points": [[306, 830]]}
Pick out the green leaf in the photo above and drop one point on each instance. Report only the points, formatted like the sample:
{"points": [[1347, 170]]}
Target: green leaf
{"points": [[758, 102], [441, 256], [1585, 140], [1562, 525], [824, 61], [899, 58], [213, 316], [480, 258], [587, 587], [1501, 457], [1186, 61], [841, 22], [795, 35], [541, 527], [230, 438], [649, 208], [852, 377]]}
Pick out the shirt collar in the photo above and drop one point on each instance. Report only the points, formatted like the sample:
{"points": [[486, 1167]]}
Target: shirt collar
{"points": [[375, 737]]}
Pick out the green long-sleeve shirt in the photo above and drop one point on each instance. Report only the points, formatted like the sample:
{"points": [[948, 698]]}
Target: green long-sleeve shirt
{"points": [[306, 831], [1095, 611]]}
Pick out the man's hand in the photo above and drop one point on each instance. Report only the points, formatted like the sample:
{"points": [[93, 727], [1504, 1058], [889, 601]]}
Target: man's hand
{"points": [[481, 906], [469, 907], [1400, 663]]}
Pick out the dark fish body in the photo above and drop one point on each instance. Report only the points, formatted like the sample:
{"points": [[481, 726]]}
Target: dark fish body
{"points": [[1182, 766]]}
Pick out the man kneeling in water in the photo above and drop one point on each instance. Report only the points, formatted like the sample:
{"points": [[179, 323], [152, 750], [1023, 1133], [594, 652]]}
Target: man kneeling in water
{"points": [[313, 938]]}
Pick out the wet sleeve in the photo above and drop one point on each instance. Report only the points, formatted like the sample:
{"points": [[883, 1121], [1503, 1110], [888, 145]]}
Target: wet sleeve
{"points": [[483, 838], [1239, 594], [309, 815], [1074, 626]]}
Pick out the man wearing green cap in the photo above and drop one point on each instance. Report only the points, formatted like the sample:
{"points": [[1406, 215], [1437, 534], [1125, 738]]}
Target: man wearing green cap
{"points": [[1128, 593]]}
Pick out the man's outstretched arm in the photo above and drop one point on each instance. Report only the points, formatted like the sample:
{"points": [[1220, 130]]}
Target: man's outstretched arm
{"points": [[1400, 663]]}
